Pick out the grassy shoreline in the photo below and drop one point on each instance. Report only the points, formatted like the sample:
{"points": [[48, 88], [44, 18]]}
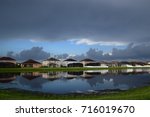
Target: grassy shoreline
{"points": [[5, 70], [132, 94]]}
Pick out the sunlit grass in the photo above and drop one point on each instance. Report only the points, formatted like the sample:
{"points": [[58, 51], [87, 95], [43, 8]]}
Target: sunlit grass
{"points": [[4, 70], [132, 94]]}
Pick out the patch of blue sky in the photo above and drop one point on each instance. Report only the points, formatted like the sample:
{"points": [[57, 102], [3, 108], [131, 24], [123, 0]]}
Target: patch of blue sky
{"points": [[56, 47]]}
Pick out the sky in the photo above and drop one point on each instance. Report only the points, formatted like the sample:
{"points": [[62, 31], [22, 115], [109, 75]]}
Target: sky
{"points": [[97, 29]]}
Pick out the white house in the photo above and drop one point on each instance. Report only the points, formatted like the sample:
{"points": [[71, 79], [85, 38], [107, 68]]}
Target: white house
{"points": [[126, 64], [103, 64], [71, 63], [88, 62], [51, 62]]}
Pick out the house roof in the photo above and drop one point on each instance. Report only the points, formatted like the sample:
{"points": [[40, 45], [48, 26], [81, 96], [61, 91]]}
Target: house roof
{"points": [[70, 59], [104, 62], [137, 63], [7, 58], [88, 60], [125, 62], [53, 59], [30, 61]]}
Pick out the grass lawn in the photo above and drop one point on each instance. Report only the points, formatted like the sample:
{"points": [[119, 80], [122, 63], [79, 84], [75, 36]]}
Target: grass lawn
{"points": [[6, 70], [132, 94]]}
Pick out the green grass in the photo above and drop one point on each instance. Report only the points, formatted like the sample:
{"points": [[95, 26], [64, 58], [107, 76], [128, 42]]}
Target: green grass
{"points": [[132, 94], [6, 70]]}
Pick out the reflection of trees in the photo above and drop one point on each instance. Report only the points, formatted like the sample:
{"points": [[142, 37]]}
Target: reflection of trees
{"points": [[8, 77]]}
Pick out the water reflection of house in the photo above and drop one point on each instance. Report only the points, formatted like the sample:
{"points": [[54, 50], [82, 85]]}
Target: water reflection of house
{"points": [[7, 77], [146, 70], [31, 75], [31, 63], [76, 73], [115, 72], [127, 70], [51, 75], [69, 75], [138, 70], [91, 73], [7, 62], [51, 62], [71, 63]]}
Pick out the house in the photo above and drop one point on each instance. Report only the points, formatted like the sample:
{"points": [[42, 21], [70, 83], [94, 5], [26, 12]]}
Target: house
{"points": [[125, 64], [147, 64], [31, 63], [137, 64], [114, 64], [51, 62], [71, 63], [6, 62], [104, 64], [88, 62]]}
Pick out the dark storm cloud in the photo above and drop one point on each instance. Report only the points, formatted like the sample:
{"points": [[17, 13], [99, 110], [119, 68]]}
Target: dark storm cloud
{"points": [[36, 53], [123, 21], [140, 51]]}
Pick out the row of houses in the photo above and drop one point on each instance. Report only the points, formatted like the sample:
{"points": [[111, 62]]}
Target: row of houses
{"points": [[53, 62]]}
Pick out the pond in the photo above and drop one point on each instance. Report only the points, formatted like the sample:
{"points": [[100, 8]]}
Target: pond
{"points": [[76, 82]]}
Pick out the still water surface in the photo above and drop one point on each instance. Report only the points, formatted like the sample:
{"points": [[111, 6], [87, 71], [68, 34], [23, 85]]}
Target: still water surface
{"points": [[76, 82]]}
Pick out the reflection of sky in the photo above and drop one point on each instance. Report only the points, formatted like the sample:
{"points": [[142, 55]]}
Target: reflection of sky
{"points": [[79, 84]]}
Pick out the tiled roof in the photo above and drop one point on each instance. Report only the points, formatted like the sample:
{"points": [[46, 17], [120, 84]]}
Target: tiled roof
{"points": [[30, 61], [89, 60], [70, 59], [7, 58], [52, 59]]}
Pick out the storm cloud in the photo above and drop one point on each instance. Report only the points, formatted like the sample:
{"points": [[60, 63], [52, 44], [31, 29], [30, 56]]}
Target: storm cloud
{"points": [[36, 53], [131, 52], [111, 21]]}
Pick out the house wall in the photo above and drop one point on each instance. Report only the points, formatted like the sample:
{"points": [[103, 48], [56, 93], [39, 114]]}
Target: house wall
{"points": [[32, 65], [85, 62], [9, 61], [48, 63], [126, 65], [37, 65], [65, 63], [45, 63], [103, 65]]}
